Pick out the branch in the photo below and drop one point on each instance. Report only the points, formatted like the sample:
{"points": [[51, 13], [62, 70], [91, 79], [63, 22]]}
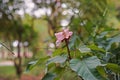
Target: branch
{"points": [[6, 47]]}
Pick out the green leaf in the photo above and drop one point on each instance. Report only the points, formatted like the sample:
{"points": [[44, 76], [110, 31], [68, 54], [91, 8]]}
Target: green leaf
{"points": [[57, 59], [115, 39], [102, 71], [84, 49], [114, 67], [102, 35], [32, 64], [49, 76], [94, 47], [75, 53], [59, 52], [78, 54], [86, 68], [74, 41]]}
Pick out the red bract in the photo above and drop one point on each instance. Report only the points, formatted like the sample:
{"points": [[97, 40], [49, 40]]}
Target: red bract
{"points": [[65, 34]]}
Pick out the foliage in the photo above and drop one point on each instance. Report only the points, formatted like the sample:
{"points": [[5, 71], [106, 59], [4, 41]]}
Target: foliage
{"points": [[93, 45], [86, 68]]}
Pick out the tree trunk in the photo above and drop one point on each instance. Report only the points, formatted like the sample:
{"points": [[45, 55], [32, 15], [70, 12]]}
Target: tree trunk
{"points": [[18, 60]]}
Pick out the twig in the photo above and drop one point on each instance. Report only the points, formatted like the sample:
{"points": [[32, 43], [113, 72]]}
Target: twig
{"points": [[6, 48]]}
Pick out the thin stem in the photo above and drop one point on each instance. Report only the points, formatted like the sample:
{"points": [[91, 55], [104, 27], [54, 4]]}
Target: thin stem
{"points": [[69, 56], [6, 47]]}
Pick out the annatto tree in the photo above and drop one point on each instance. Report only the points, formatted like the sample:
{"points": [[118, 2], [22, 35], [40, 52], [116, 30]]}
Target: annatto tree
{"points": [[90, 50]]}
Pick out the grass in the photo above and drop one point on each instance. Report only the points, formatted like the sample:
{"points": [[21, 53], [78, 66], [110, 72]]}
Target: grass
{"points": [[8, 72]]}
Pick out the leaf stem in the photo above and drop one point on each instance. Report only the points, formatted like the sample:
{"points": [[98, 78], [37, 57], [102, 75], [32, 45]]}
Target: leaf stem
{"points": [[68, 50]]}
